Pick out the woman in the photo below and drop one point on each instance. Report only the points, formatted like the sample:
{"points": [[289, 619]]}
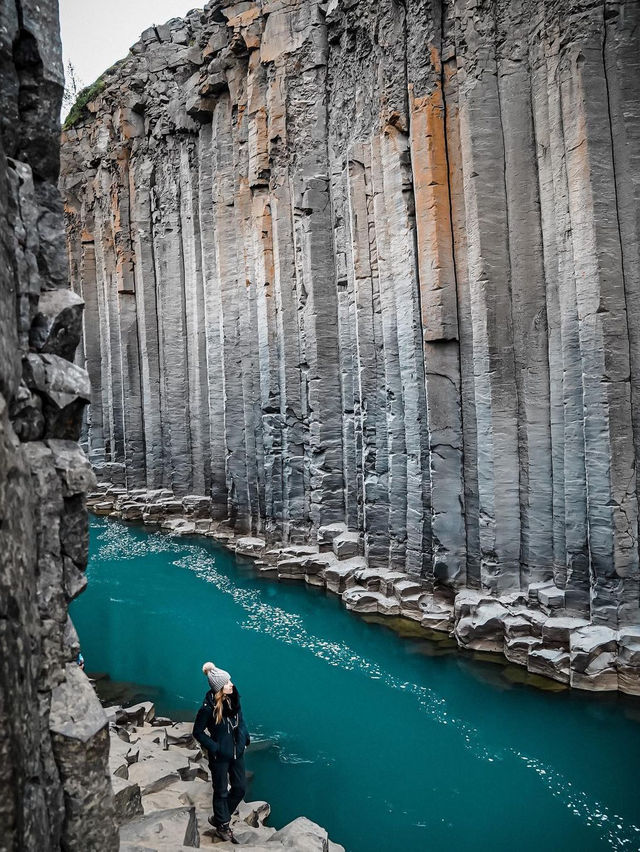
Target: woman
{"points": [[221, 730]]}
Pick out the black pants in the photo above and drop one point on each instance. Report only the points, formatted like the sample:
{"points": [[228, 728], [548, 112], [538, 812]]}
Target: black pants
{"points": [[225, 799]]}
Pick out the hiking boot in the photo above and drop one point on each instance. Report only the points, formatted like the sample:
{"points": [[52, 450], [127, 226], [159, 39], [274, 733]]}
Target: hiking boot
{"points": [[224, 833]]}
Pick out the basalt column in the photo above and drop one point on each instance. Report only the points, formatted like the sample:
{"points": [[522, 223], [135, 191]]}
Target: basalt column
{"points": [[54, 785], [374, 267]]}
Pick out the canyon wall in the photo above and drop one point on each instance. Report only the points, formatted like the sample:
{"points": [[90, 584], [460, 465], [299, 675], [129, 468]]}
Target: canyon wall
{"points": [[54, 787], [377, 264]]}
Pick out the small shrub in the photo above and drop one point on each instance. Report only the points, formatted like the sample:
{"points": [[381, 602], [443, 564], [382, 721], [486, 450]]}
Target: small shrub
{"points": [[79, 108]]}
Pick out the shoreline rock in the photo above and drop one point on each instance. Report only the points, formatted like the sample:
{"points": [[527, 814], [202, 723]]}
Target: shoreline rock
{"points": [[534, 631], [162, 792], [373, 267]]}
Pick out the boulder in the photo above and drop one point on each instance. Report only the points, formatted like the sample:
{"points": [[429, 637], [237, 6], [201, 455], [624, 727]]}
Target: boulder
{"points": [[126, 800], [551, 597], [63, 389], [628, 663], [138, 714], [556, 632], [26, 414], [346, 545], [362, 600], [131, 512], [178, 526], [369, 578], [593, 658], [57, 325], [303, 836], [174, 827], [249, 545], [437, 614], [196, 506], [484, 629], [339, 576], [518, 648], [157, 768], [550, 662], [326, 534], [246, 835], [181, 734], [254, 813], [291, 568]]}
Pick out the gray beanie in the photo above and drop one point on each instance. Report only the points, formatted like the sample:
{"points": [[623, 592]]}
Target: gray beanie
{"points": [[217, 677]]}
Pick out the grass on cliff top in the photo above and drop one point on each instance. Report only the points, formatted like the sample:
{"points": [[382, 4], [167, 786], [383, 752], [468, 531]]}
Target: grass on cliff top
{"points": [[86, 95], [79, 108]]}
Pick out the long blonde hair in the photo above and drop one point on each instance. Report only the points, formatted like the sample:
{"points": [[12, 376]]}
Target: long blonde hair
{"points": [[220, 698]]}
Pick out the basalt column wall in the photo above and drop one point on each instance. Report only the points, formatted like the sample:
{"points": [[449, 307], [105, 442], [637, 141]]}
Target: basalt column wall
{"points": [[377, 264], [54, 741]]}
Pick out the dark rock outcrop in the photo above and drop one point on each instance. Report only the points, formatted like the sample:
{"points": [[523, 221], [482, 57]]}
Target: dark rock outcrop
{"points": [[377, 264], [54, 785]]}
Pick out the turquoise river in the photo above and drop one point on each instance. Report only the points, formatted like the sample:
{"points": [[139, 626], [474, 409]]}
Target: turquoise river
{"points": [[387, 742]]}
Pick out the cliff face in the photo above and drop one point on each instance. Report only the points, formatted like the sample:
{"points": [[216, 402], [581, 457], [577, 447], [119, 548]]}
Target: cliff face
{"points": [[54, 789], [377, 263]]}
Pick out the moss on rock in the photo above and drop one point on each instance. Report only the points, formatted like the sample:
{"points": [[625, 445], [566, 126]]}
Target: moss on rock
{"points": [[85, 97]]}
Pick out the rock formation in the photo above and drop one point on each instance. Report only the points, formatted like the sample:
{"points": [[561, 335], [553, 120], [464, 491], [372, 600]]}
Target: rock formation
{"points": [[54, 786], [377, 264], [162, 786]]}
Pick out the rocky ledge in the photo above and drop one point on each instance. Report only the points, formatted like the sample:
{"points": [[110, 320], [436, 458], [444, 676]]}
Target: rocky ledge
{"points": [[162, 793], [534, 630]]}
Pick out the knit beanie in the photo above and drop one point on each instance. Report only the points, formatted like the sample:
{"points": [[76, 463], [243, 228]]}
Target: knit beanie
{"points": [[217, 677]]}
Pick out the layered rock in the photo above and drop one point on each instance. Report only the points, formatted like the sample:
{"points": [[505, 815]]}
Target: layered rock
{"points": [[54, 786], [163, 793], [533, 630], [376, 264]]}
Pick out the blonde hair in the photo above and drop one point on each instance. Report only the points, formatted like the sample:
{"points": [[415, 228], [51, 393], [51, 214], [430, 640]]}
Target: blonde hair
{"points": [[219, 696], [218, 708]]}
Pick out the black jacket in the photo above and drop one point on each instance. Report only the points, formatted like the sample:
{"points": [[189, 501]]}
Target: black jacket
{"points": [[225, 740]]}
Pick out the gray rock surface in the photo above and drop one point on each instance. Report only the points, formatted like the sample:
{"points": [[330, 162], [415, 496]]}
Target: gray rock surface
{"points": [[171, 812], [367, 275], [54, 784]]}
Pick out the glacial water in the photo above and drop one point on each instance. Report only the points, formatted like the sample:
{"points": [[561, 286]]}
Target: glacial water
{"points": [[384, 741]]}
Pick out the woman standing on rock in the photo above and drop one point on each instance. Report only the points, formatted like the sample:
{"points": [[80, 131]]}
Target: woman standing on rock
{"points": [[221, 730]]}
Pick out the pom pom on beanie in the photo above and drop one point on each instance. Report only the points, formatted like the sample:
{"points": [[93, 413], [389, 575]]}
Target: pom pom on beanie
{"points": [[218, 678]]}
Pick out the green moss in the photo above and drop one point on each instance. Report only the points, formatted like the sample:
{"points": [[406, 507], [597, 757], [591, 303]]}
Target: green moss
{"points": [[79, 108]]}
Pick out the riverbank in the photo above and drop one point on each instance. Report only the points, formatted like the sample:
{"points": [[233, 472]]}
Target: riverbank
{"points": [[535, 630], [317, 685], [162, 792]]}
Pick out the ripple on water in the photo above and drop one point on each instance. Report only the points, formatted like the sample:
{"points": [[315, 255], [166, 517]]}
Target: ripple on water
{"points": [[268, 619]]}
